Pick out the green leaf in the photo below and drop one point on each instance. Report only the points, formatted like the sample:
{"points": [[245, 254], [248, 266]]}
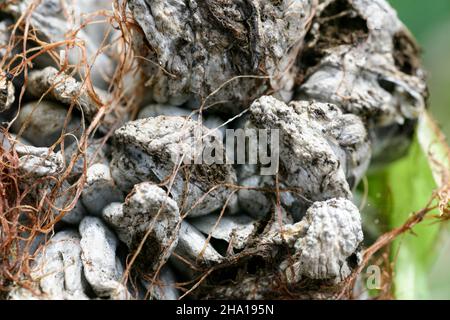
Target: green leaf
{"points": [[411, 183], [402, 188]]}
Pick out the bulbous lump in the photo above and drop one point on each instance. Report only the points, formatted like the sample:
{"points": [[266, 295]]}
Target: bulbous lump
{"points": [[360, 56], [328, 249], [322, 152], [155, 149], [195, 46], [148, 215]]}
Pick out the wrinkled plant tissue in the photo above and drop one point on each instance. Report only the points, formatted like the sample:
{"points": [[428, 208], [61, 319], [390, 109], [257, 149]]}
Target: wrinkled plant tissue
{"points": [[104, 108]]}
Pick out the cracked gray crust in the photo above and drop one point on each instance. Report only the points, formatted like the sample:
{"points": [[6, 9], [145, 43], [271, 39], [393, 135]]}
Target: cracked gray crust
{"points": [[321, 249], [317, 155], [196, 46], [152, 149], [37, 163], [147, 207], [254, 202], [69, 265], [331, 233], [99, 189], [6, 92], [301, 258], [67, 90], [165, 288], [359, 56], [371, 69]]}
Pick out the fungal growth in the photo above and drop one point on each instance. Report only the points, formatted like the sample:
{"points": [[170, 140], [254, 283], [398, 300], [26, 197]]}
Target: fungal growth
{"points": [[117, 177], [328, 249], [152, 149], [68, 91], [196, 46], [58, 271], [102, 269], [360, 57], [151, 217]]}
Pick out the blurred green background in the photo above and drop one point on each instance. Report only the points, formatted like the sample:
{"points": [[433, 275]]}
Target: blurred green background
{"points": [[422, 258]]}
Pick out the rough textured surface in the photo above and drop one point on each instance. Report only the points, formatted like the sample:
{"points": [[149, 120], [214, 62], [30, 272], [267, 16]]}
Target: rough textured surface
{"points": [[39, 162], [63, 88], [196, 46], [8, 140], [154, 110], [68, 90], [147, 212], [339, 79], [361, 57], [54, 21], [43, 123], [101, 266], [318, 156], [330, 235], [152, 149], [100, 189], [58, 270], [112, 213], [5, 35]]}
